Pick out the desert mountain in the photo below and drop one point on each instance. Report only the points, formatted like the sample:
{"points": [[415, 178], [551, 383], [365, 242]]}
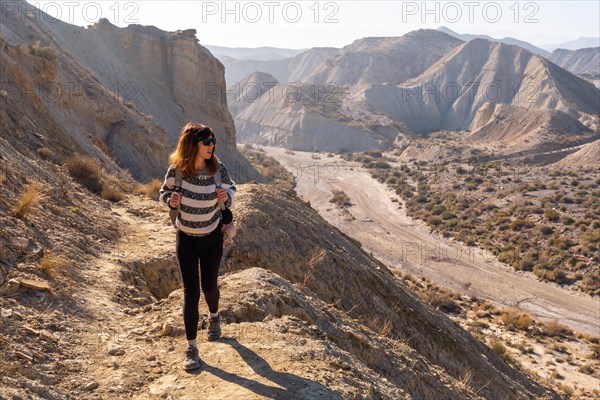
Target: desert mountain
{"points": [[248, 90], [585, 62], [384, 60], [507, 40], [498, 93], [132, 88], [286, 70], [324, 112], [463, 90]]}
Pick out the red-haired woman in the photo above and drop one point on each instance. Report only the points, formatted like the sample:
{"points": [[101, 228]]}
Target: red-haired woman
{"points": [[199, 236]]}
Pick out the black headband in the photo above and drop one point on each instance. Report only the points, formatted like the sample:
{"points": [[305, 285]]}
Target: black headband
{"points": [[202, 133]]}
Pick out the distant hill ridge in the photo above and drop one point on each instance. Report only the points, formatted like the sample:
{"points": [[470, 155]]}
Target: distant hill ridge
{"points": [[506, 40], [585, 62]]}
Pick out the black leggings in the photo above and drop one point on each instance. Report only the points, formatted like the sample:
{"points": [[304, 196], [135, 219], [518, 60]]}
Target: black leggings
{"points": [[209, 250]]}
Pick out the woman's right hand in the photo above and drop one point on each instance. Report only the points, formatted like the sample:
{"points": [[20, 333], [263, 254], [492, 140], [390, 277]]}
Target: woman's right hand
{"points": [[175, 199]]}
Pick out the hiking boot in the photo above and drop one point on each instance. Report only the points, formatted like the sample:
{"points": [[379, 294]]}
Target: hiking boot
{"points": [[192, 360], [214, 328]]}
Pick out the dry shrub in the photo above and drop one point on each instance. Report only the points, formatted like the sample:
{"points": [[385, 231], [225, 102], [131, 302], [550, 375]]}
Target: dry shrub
{"points": [[150, 189], [52, 264], [444, 301], [316, 257], [46, 154], [46, 52], [515, 320], [587, 369], [595, 354], [86, 171], [340, 198], [498, 347], [489, 307], [113, 194], [555, 328], [32, 196]]}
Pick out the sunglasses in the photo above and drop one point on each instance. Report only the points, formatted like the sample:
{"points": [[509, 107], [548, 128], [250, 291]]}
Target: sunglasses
{"points": [[208, 141]]}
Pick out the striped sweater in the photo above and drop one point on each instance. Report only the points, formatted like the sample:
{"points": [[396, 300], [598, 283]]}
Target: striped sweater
{"points": [[199, 211]]}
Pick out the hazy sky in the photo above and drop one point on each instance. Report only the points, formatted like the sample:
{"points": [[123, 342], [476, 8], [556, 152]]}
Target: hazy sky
{"points": [[304, 24]]}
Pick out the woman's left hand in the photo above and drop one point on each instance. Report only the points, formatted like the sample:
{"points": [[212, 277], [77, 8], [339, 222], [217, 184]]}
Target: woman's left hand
{"points": [[222, 195]]}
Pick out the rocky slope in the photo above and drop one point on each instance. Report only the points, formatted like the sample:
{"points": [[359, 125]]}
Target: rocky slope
{"points": [[585, 62], [118, 85], [304, 64], [236, 70]]}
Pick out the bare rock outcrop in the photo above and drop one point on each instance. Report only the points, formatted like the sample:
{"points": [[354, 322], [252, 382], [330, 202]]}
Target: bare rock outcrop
{"points": [[126, 90]]}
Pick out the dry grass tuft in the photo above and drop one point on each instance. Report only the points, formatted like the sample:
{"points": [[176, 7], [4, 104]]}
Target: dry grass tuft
{"points": [[32, 196], [556, 329], [515, 320], [86, 171], [46, 154], [466, 379], [112, 194], [316, 257], [150, 189], [340, 198], [52, 264]]}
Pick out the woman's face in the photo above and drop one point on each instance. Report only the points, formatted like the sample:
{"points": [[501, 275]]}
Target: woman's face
{"points": [[206, 147]]}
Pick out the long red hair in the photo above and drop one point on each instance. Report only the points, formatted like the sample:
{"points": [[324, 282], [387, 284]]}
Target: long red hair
{"points": [[184, 156]]}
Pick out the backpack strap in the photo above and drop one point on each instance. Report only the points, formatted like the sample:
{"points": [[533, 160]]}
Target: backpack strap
{"points": [[218, 183], [174, 213], [178, 179]]}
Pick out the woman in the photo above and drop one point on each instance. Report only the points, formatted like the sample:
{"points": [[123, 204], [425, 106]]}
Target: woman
{"points": [[199, 236]]}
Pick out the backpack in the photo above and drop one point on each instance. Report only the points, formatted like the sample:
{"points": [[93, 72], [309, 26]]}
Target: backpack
{"points": [[228, 227]]}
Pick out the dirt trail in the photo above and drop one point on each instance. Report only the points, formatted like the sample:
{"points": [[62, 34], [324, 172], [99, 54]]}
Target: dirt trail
{"points": [[134, 349], [402, 242]]}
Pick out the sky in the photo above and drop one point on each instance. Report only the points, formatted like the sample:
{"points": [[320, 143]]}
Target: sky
{"points": [[306, 24]]}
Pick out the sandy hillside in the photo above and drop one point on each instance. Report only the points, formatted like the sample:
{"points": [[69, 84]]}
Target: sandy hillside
{"points": [[588, 155]]}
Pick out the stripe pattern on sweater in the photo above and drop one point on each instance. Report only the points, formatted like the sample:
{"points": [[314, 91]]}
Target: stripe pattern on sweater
{"points": [[199, 213]]}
